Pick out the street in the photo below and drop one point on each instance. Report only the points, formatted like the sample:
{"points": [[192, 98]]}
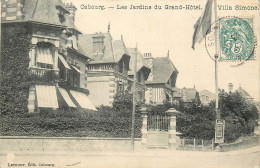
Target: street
{"points": [[247, 158]]}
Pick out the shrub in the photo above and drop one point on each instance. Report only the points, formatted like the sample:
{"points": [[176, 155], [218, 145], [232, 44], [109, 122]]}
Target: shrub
{"points": [[122, 101], [104, 123]]}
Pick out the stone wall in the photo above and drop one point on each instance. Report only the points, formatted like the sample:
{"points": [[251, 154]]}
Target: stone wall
{"points": [[66, 144]]}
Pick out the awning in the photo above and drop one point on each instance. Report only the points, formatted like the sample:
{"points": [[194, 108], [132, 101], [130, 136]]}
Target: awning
{"points": [[46, 96], [66, 97], [76, 69], [64, 62], [83, 100], [44, 55]]}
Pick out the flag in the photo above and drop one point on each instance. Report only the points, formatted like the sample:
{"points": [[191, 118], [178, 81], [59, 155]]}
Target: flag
{"points": [[202, 26]]}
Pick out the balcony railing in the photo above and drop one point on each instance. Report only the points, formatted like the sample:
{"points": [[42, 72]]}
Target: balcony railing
{"points": [[41, 71]]}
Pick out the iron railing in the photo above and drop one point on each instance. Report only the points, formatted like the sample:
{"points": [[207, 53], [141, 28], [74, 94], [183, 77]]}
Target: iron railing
{"points": [[160, 123]]}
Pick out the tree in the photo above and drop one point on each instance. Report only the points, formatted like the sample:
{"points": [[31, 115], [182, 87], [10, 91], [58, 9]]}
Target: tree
{"points": [[123, 100], [199, 122]]}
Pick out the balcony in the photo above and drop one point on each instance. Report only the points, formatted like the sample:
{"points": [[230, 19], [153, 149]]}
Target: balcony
{"points": [[41, 71]]}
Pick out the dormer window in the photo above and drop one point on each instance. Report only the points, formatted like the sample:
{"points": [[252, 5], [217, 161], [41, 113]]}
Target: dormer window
{"points": [[61, 15], [73, 41]]}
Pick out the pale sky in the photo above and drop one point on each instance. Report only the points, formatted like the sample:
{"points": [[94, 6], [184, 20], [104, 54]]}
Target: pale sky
{"points": [[157, 31]]}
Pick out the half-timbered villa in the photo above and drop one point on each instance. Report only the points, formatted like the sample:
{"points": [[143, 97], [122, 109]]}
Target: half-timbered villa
{"points": [[160, 84]]}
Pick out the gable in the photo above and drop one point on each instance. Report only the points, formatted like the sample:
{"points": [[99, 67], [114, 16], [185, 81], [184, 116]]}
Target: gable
{"points": [[162, 70], [141, 65]]}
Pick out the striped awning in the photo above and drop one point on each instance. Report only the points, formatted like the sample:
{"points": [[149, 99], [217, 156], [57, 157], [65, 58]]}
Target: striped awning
{"points": [[44, 55], [76, 69], [83, 100], [64, 62], [66, 97], [46, 96]]}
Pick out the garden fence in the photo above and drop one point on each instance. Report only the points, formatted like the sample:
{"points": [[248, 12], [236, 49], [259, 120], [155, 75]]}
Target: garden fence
{"points": [[194, 144]]}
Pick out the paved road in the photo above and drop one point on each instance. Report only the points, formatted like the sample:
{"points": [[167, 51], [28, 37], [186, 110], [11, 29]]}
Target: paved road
{"points": [[248, 158]]}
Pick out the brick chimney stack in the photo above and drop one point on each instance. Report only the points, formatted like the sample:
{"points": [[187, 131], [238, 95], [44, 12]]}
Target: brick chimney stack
{"points": [[149, 58]]}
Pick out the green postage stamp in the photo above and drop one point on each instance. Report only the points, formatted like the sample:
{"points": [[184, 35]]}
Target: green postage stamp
{"points": [[236, 39]]}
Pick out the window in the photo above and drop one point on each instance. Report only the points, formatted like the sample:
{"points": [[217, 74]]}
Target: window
{"points": [[74, 42], [61, 15], [139, 77], [120, 87], [44, 55], [139, 96], [121, 66], [76, 78]]}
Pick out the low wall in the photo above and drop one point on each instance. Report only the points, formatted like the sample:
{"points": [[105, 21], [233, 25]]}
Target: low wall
{"points": [[60, 144]]}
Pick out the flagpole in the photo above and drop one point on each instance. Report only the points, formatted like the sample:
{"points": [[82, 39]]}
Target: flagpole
{"points": [[216, 60], [134, 100]]}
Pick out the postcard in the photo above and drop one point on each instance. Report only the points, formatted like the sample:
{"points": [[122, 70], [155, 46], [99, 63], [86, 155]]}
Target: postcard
{"points": [[158, 83]]}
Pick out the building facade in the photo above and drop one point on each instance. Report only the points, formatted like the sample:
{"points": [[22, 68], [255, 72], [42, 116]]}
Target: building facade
{"points": [[54, 48], [187, 95], [206, 96], [160, 84], [142, 73], [108, 72]]}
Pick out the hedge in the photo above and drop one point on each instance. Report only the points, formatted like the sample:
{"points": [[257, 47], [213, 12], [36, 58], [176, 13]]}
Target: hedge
{"points": [[105, 123]]}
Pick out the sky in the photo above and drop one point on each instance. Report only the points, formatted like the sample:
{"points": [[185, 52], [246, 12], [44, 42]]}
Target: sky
{"points": [[157, 31]]}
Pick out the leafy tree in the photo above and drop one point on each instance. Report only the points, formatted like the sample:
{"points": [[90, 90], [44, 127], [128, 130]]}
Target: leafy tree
{"points": [[123, 100], [199, 122]]}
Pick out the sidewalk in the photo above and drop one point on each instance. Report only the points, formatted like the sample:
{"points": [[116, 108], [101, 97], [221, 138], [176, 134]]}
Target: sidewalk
{"points": [[146, 153]]}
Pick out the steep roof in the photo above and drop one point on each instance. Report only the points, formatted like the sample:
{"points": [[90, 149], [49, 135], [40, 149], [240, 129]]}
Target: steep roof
{"points": [[41, 11], [206, 92], [114, 50], [177, 94], [190, 94], [70, 24], [244, 93], [119, 49], [162, 70], [141, 62]]}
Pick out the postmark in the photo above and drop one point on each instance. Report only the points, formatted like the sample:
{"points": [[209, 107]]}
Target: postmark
{"points": [[235, 39]]}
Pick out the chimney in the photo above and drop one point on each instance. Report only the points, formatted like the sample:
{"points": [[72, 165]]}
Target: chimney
{"points": [[12, 10], [149, 58], [184, 93], [98, 44], [72, 9], [230, 87]]}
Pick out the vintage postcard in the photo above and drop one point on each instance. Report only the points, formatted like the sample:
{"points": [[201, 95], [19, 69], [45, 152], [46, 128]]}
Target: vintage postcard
{"points": [[158, 83]]}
